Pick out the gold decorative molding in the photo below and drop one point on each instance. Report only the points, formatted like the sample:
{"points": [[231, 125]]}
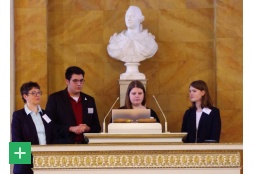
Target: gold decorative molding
{"points": [[138, 159]]}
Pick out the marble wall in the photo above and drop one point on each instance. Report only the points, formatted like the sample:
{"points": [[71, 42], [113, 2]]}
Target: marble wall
{"points": [[197, 39]]}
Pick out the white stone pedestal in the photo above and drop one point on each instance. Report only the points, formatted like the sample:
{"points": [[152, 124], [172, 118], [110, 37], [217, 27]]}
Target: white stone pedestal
{"points": [[123, 88], [132, 72]]}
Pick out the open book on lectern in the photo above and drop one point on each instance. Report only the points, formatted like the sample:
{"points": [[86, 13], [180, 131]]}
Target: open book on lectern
{"points": [[133, 121], [130, 114]]}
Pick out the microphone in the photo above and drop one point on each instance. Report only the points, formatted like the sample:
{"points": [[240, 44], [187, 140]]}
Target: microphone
{"points": [[165, 120], [86, 139], [108, 114]]}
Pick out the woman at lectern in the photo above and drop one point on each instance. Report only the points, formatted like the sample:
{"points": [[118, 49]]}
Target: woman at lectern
{"points": [[202, 120], [31, 124], [136, 98]]}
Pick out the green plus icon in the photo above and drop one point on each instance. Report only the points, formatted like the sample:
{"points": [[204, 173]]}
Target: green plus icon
{"points": [[19, 152]]}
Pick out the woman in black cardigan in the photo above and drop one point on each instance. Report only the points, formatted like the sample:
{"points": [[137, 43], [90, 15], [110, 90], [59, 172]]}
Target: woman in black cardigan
{"points": [[202, 120]]}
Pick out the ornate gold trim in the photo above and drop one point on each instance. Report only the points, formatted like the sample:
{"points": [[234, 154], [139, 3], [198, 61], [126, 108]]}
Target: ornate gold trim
{"points": [[137, 159]]}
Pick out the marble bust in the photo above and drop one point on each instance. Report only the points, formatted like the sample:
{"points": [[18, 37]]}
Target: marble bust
{"points": [[134, 44]]}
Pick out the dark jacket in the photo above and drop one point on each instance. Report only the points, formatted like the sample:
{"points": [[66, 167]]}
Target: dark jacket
{"points": [[23, 130], [61, 112], [209, 126]]}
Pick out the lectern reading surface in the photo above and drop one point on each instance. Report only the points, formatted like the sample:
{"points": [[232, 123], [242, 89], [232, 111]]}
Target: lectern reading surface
{"points": [[132, 114]]}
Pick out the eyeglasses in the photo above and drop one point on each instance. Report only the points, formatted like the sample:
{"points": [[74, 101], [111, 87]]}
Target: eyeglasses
{"points": [[76, 81], [35, 93]]}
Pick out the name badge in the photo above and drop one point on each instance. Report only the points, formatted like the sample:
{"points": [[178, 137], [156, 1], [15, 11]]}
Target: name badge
{"points": [[90, 110], [46, 118], [206, 110]]}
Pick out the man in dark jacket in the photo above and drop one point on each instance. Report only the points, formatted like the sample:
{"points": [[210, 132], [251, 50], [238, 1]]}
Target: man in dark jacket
{"points": [[73, 111]]}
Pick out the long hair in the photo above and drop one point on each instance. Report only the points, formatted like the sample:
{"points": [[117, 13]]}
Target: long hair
{"points": [[206, 99], [134, 84]]}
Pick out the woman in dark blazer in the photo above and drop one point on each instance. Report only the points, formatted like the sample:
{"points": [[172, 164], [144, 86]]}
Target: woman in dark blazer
{"points": [[31, 124], [202, 120]]}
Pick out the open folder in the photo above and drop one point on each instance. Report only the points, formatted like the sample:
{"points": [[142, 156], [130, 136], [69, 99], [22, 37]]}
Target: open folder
{"points": [[130, 115]]}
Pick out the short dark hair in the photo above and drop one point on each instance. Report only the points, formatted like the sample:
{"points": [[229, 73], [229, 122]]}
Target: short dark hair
{"points": [[134, 84], [73, 70], [26, 87], [206, 99]]}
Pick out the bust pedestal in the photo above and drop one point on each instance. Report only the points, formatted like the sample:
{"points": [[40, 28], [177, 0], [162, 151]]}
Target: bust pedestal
{"points": [[132, 72], [123, 88]]}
